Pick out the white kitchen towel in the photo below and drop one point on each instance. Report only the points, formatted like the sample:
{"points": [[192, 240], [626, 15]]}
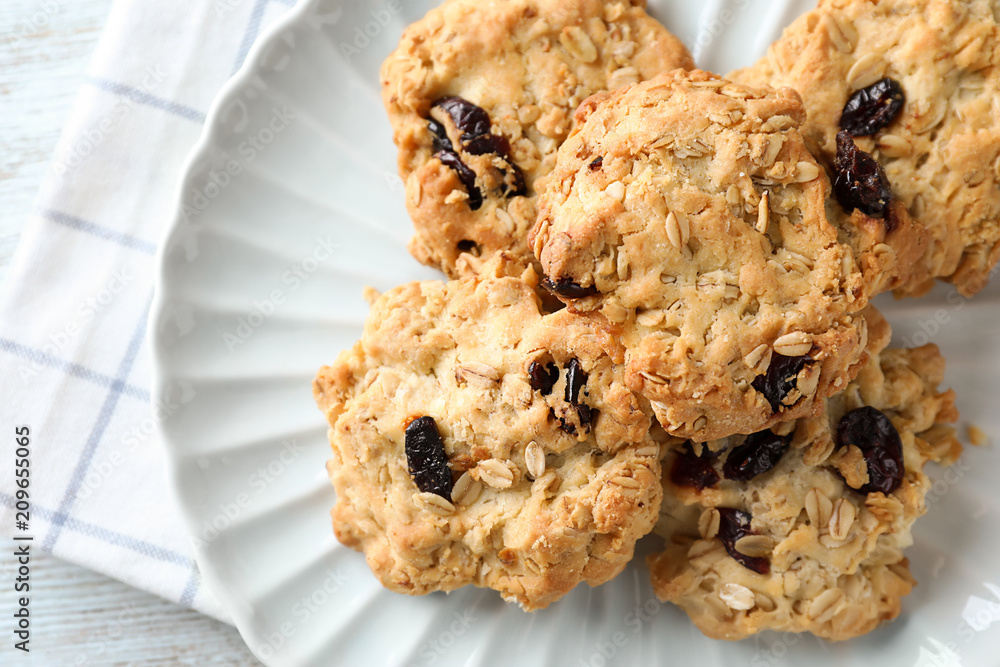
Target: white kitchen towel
{"points": [[74, 366]]}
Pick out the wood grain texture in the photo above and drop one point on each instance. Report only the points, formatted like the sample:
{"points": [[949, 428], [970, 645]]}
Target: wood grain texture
{"points": [[81, 618], [78, 617], [45, 46]]}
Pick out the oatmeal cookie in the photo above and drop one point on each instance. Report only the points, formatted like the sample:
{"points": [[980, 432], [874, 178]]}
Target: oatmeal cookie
{"points": [[479, 441], [686, 218], [481, 93], [917, 83], [802, 528]]}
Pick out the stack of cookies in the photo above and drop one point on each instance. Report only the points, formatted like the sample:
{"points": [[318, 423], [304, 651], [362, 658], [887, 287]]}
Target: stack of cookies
{"points": [[658, 316]]}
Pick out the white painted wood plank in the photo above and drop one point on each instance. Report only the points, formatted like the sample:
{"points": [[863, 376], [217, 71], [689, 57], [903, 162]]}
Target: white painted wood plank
{"points": [[78, 617], [45, 46]]}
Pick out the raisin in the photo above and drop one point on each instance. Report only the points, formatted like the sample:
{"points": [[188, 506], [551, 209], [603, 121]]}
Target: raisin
{"points": [[543, 378], [584, 414], [426, 458], [513, 178], [708, 453], [576, 379], [872, 432], [779, 380], [566, 288], [471, 120], [451, 160], [891, 219], [873, 108], [759, 453], [734, 524], [441, 140], [565, 425], [597, 163], [513, 182], [470, 247], [474, 123], [488, 143], [860, 181], [692, 470]]}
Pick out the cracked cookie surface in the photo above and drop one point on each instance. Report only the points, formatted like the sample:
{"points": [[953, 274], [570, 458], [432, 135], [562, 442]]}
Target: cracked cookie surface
{"points": [[686, 218], [551, 473], [480, 96], [800, 546], [941, 151]]}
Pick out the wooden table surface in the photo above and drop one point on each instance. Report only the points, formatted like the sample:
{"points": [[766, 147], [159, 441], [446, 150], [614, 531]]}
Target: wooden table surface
{"points": [[79, 617]]}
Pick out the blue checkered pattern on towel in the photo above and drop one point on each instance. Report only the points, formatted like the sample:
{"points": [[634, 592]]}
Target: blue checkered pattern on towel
{"points": [[73, 360]]}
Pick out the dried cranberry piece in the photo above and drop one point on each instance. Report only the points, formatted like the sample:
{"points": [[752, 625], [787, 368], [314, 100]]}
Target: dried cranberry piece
{"points": [[596, 163], [440, 134], [471, 120], [543, 378], [734, 524], [872, 432], [860, 182], [871, 109], [566, 288], [759, 453], [426, 458], [692, 470], [779, 380], [451, 160]]}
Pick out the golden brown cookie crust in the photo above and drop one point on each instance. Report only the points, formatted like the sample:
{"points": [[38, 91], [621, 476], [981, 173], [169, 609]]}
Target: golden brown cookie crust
{"points": [[836, 565], [543, 499], [942, 153], [691, 209], [528, 64]]}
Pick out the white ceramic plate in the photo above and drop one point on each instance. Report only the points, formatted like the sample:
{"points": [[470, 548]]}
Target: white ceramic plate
{"points": [[290, 205]]}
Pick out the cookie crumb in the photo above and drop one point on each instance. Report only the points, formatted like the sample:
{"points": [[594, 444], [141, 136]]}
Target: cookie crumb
{"points": [[977, 436]]}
